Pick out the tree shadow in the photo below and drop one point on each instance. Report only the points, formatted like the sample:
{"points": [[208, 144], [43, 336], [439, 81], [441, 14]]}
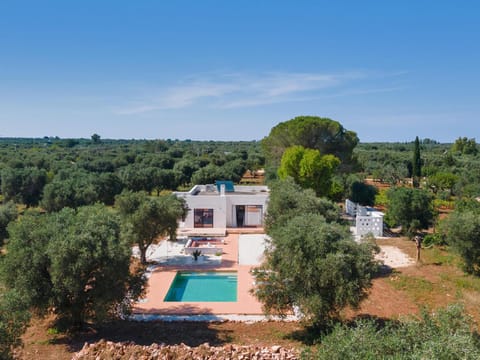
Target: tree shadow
{"points": [[168, 332], [391, 233], [311, 335], [379, 321], [383, 271], [307, 335], [200, 265]]}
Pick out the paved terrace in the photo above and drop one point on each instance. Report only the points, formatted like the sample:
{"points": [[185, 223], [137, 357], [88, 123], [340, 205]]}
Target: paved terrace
{"points": [[161, 276]]}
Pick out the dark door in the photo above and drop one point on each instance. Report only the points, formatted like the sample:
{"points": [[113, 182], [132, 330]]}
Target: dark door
{"points": [[240, 210]]}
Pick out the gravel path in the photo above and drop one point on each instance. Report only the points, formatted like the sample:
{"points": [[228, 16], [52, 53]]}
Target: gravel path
{"points": [[394, 257]]}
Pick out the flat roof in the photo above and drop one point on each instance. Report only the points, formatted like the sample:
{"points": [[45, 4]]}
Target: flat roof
{"points": [[210, 189]]}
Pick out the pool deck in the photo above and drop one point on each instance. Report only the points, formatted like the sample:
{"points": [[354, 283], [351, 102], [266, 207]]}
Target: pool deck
{"points": [[162, 276]]}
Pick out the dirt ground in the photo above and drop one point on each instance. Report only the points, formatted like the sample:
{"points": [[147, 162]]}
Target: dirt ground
{"points": [[395, 293], [42, 343]]}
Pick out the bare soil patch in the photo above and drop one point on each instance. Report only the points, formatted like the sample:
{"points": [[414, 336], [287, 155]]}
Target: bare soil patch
{"points": [[42, 343], [384, 302]]}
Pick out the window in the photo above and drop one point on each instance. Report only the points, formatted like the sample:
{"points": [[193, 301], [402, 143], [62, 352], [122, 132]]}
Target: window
{"points": [[203, 218]]}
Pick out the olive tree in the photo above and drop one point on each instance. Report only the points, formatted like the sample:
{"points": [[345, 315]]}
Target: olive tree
{"points": [[23, 185], [8, 213], [73, 189], [412, 209], [287, 200], [14, 318], [314, 266], [462, 230], [442, 181], [465, 146], [73, 261], [146, 219]]}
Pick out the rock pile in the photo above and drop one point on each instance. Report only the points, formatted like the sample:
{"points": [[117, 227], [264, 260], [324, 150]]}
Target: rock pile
{"points": [[125, 350]]}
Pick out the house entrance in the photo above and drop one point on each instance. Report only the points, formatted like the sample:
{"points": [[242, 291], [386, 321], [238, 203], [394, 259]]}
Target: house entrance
{"points": [[240, 211], [249, 215]]}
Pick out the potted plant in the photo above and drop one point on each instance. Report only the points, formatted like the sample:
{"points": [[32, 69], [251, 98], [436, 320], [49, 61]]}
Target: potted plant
{"points": [[196, 254]]}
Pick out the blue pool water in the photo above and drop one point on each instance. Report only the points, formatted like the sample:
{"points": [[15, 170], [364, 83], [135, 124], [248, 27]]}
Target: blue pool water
{"points": [[203, 286]]}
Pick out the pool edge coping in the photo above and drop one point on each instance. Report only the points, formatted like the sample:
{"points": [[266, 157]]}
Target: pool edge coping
{"points": [[141, 317]]}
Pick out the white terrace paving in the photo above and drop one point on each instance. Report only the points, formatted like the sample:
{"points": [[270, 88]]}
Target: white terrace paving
{"points": [[251, 248], [170, 253]]}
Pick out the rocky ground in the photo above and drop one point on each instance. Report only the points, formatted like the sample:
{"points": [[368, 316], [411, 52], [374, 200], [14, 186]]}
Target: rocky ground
{"points": [[125, 350]]}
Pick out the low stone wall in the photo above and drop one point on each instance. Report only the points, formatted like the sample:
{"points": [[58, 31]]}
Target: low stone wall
{"points": [[111, 350]]}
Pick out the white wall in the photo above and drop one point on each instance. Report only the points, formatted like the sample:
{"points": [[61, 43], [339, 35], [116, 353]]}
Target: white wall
{"points": [[369, 224], [224, 207], [215, 202], [234, 200], [350, 207]]}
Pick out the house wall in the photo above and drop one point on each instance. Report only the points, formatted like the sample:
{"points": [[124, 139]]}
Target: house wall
{"points": [[350, 207], [234, 200], [215, 202], [224, 205], [369, 224]]}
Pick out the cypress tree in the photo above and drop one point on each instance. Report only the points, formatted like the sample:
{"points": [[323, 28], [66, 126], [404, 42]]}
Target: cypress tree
{"points": [[416, 163]]}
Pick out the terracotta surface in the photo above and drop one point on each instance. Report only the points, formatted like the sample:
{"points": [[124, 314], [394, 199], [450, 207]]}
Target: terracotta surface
{"points": [[162, 277]]}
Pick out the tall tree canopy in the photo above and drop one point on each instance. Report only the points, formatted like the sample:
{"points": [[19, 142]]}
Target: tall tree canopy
{"points": [[309, 168], [312, 132], [416, 163]]}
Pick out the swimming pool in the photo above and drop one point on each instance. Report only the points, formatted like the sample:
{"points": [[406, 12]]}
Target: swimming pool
{"points": [[209, 286]]}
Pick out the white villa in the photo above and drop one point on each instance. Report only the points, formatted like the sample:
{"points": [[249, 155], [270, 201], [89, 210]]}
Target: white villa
{"points": [[367, 220], [223, 205]]}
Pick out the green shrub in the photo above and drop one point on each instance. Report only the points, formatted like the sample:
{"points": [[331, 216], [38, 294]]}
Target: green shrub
{"points": [[434, 239], [442, 203], [14, 318], [444, 334], [381, 198]]}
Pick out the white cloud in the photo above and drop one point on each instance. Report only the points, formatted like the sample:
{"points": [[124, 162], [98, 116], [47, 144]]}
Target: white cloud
{"points": [[234, 90]]}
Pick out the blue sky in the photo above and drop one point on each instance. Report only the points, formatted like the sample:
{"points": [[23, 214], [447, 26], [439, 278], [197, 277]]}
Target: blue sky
{"points": [[231, 70]]}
